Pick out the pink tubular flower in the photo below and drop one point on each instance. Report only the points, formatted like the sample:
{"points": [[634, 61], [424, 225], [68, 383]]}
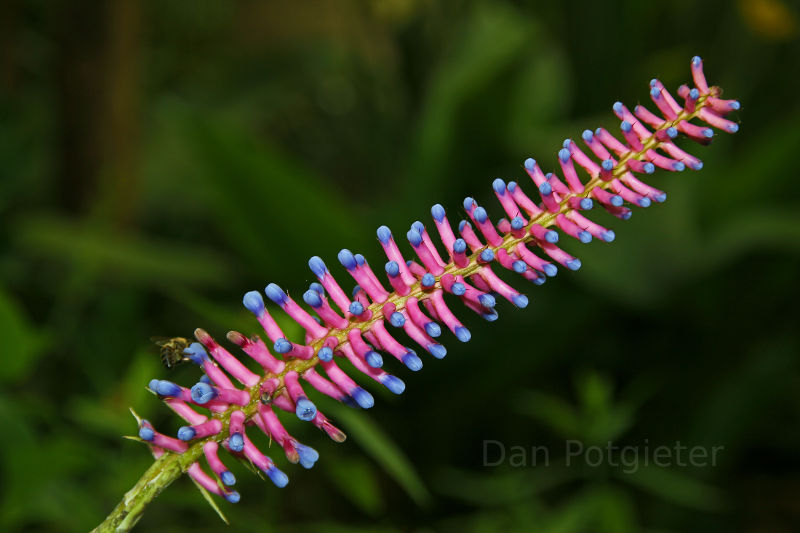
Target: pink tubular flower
{"points": [[607, 172]]}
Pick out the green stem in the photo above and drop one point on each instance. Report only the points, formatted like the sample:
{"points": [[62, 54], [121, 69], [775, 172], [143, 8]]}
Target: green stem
{"points": [[125, 515], [161, 473]]}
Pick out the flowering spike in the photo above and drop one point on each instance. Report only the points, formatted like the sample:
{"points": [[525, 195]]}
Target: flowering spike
{"points": [[608, 173]]}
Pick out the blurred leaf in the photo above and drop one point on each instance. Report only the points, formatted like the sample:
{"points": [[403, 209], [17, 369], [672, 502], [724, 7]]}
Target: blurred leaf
{"points": [[741, 394], [675, 487], [356, 479], [41, 494], [761, 167], [614, 511], [340, 527], [756, 230], [488, 42], [551, 410], [603, 419], [500, 488], [595, 393], [570, 517], [386, 453], [253, 189], [598, 420], [103, 414], [135, 257], [22, 344], [541, 93], [511, 519]]}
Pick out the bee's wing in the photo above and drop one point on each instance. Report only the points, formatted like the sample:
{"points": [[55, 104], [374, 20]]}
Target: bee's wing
{"points": [[160, 340]]}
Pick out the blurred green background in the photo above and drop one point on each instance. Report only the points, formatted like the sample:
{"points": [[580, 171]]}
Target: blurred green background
{"points": [[159, 159]]}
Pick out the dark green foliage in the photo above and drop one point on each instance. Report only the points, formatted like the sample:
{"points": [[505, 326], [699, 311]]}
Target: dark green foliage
{"points": [[159, 162]]}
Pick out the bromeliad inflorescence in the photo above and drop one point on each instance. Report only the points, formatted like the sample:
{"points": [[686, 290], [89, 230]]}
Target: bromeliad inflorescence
{"points": [[361, 326]]}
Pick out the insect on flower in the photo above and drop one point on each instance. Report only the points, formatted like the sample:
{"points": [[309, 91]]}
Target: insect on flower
{"points": [[172, 350]]}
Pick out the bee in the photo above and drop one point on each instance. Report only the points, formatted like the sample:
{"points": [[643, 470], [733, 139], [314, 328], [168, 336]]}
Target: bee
{"points": [[267, 397], [172, 350]]}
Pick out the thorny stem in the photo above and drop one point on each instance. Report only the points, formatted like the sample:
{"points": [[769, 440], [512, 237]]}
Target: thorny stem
{"points": [[171, 465]]}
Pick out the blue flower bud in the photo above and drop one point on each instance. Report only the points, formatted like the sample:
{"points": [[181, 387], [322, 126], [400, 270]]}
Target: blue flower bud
{"points": [[347, 259], [312, 298], [412, 361], [397, 319], [236, 442], [275, 294], [317, 287], [202, 393], [253, 302], [393, 383], [574, 264], [463, 334], [325, 354], [437, 350], [305, 409], [392, 268], [362, 398], [282, 346], [196, 352], [307, 455], [356, 308], [437, 211], [167, 388], [433, 329], [414, 237], [277, 477], [186, 433], [317, 266], [374, 359], [487, 300], [146, 433], [384, 234]]}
